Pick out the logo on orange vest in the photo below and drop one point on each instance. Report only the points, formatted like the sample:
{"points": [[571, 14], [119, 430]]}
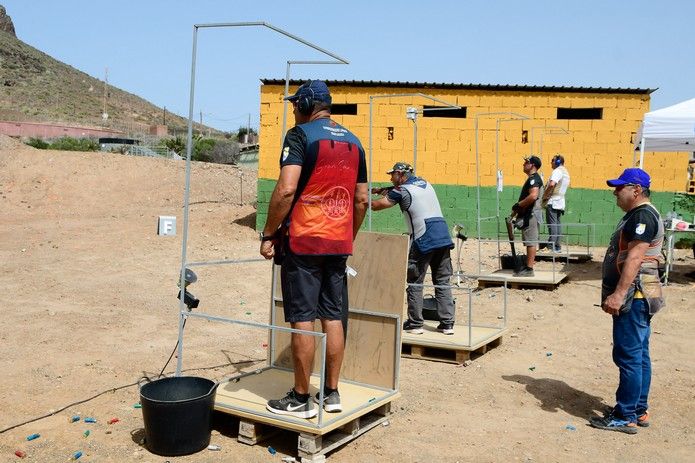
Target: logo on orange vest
{"points": [[336, 203]]}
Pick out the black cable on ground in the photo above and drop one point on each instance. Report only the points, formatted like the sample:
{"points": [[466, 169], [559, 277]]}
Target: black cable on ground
{"points": [[114, 389]]}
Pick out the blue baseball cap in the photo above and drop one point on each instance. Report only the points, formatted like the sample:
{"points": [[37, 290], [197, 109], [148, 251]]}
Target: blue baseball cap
{"points": [[314, 89], [631, 176]]}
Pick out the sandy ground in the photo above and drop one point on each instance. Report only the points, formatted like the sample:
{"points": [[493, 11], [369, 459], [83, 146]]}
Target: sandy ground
{"points": [[89, 305]]}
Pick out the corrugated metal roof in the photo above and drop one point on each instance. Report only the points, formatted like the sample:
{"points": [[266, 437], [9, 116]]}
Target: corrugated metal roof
{"points": [[455, 86]]}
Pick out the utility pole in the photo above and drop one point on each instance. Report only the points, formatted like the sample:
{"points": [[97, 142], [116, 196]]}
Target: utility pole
{"points": [[164, 114], [104, 114], [248, 130]]}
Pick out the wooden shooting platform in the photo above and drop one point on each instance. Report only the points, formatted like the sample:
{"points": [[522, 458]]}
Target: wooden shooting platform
{"points": [[455, 348], [545, 279], [248, 396], [370, 369]]}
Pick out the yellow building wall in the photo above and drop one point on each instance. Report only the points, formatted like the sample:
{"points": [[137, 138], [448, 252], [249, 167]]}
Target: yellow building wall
{"points": [[446, 147]]}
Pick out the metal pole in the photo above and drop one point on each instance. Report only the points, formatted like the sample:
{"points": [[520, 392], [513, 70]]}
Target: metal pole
{"points": [[415, 144], [497, 179], [186, 199], [477, 195], [641, 152], [284, 105], [369, 201], [470, 318]]}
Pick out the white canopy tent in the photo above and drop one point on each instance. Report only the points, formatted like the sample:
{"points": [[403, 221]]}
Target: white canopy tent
{"points": [[668, 129]]}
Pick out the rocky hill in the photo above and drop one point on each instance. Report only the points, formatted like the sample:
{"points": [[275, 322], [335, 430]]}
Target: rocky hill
{"points": [[6, 24], [36, 87]]}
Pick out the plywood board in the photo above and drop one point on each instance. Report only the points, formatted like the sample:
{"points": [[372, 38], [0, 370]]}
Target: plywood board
{"points": [[381, 261], [369, 351], [372, 348], [540, 278], [247, 398]]}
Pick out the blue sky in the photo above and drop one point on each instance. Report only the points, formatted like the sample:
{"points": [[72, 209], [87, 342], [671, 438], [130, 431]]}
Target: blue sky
{"points": [[146, 45]]}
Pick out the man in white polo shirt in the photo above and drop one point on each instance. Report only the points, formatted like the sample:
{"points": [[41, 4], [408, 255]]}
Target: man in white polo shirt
{"points": [[554, 201]]}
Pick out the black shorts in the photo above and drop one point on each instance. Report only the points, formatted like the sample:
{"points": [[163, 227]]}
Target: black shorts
{"points": [[312, 287]]}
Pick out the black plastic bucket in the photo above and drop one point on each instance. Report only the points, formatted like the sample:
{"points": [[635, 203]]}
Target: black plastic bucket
{"points": [[177, 413]]}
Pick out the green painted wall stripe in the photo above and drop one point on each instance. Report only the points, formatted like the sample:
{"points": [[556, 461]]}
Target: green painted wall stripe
{"points": [[584, 206]]}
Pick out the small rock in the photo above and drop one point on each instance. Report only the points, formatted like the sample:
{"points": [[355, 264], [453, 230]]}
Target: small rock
{"points": [[657, 332], [513, 335], [467, 362], [529, 298]]}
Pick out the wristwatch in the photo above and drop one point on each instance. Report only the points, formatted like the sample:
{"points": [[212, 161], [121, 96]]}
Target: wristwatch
{"points": [[266, 237]]}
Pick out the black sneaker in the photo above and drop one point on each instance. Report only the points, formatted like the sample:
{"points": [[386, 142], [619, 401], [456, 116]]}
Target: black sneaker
{"points": [[524, 272], [291, 405], [331, 402], [446, 328], [409, 327]]}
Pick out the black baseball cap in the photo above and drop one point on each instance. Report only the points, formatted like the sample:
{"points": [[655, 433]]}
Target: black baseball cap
{"points": [[535, 160]]}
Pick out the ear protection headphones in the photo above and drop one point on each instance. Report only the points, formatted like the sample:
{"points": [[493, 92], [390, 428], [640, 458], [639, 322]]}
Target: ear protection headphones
{"points": [[305, 103], [556, 162]]}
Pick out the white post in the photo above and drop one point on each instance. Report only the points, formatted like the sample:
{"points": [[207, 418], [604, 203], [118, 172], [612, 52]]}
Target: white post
{"points": [[641, 152]]}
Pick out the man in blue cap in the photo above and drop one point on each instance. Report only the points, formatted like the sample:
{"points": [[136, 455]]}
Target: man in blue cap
{"points": [[631, 293], [315, 211]]}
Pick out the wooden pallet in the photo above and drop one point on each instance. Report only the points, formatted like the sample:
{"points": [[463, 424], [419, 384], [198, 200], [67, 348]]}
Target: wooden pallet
{"points": [[455, 348], [542, 279], [364, 407], [312, 448]]}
